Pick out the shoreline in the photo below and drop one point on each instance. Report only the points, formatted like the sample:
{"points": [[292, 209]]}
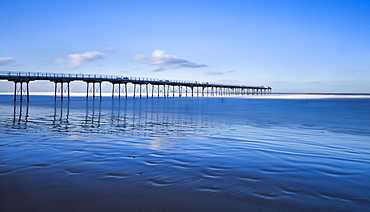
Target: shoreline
{"points": [[248, 96]]}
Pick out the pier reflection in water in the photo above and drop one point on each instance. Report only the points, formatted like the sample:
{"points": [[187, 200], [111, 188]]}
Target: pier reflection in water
{"points": [[61, 115], [20, 115], [133, 117]]}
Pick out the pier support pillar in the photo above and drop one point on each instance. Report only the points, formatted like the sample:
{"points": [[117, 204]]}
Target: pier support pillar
{"points": [[93, 87], [21, 90], [61, 88], [120, 89], [180, 91]]}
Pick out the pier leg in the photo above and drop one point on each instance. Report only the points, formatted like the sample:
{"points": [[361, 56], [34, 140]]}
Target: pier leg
{"points": [[147, 95], [69, 95], [61, 90], [15, 91], [55, 90], [87, 90], [94, 90], [100, 90], [119, 91], [28, 92], [21, 91], [126, 89]]}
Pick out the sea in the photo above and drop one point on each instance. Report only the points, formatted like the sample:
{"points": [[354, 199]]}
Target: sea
{"points": [[287, 152]]}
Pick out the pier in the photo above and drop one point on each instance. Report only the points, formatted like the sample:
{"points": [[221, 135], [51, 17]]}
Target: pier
{"points": [[142, 87]]}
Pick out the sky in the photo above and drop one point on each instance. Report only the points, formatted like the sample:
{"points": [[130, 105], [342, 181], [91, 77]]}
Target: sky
{"points": [[290, 45]]}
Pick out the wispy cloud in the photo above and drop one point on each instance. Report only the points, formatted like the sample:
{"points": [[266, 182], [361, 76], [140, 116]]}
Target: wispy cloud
{"points": [[109, 49], [76, 60], [229, 81], [215, 73], [161, 59], [5, 60], [281, 82], [159, 69]]}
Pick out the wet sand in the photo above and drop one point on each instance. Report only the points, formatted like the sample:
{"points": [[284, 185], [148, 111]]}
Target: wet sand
{"points": [[182, 154]]}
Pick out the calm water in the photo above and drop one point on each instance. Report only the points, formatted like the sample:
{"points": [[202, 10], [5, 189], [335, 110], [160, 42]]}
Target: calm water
{"points": [[183, 154]]}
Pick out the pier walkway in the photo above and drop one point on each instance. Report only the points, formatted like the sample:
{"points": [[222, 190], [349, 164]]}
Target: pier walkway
{"points": [[141, 86]]}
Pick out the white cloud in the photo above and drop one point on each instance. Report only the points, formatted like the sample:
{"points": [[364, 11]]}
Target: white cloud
{"points": [[213, 73], [139, 57], [75, 60], [5, 60], [161, 59], [59, 61]]}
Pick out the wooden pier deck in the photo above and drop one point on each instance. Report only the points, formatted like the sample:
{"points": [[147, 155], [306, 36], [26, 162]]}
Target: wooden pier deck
{"points": [[141, 86]]}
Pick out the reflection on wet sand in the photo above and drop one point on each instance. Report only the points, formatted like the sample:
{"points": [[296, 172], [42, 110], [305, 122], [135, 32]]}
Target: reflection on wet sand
{"points": [[20, 114], [93, 114], [136, 118], [61, 115]]}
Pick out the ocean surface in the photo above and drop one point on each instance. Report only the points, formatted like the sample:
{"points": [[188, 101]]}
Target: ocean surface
{"points": [[185, 154]]}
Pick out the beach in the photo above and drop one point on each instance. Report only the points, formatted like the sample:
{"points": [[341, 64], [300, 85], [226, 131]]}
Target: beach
{"points": [[264, 153]]}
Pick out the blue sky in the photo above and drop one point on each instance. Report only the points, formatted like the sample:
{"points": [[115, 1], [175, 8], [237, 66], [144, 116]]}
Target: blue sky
{"points": [[291, 45]]}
